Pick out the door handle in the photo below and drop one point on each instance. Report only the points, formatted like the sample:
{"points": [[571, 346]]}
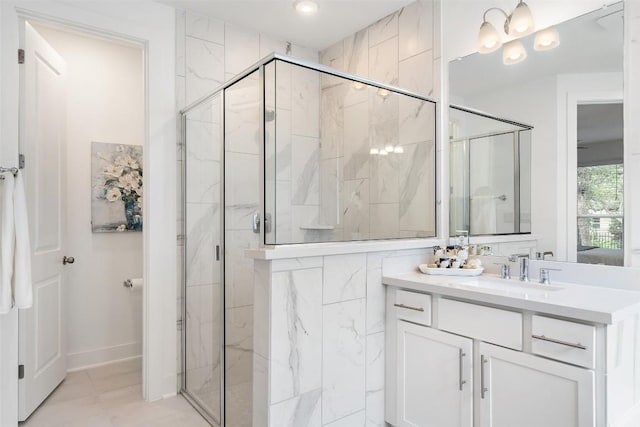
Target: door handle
{"points": [[483, 389], [68, 260], [461, 354]]}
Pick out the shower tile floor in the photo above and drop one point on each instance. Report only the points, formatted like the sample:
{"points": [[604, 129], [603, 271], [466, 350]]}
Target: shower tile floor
{"points": [[110, 396]]}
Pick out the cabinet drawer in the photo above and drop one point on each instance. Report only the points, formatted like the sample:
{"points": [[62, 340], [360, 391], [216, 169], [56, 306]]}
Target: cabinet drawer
{"points": [[413, 307], [487, 324], [565, 341]]}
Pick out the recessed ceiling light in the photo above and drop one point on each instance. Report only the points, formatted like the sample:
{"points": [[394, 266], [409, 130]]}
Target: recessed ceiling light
{"points": [[305, 7]]}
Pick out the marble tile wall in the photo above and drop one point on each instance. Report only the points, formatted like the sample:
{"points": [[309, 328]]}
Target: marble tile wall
{"points": [[325, 359], [368, 196]]}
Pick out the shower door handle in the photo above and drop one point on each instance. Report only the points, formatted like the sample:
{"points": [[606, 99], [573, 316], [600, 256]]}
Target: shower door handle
{"points": [[255, 226], [256, 223]]}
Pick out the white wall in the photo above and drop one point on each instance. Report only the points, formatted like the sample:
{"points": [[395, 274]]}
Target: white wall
{"points": [[153, 26], [105, 103]]}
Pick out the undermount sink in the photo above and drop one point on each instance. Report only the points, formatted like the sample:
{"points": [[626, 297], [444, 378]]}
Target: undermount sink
{"points": [[507, 286]]}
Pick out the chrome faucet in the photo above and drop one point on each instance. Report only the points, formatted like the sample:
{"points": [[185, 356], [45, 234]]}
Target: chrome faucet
{"points": [[523, 259]]}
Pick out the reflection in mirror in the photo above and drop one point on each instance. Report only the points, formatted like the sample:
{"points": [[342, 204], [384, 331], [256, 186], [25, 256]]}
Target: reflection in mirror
{"points": [[489, 174], [600, 184], [570, 96]]}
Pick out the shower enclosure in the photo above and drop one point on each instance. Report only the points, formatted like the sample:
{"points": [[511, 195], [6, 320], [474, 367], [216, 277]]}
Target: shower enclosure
{"points": [[490, 174], [287, 152]]}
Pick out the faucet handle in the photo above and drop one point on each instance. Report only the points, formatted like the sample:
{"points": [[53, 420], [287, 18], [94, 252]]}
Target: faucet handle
{"points": [[545, 276], [505, 270], [517, 257]]}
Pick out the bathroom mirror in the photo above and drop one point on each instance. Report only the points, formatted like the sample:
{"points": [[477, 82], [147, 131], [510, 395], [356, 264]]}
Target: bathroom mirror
{"points": [[571, 97]]}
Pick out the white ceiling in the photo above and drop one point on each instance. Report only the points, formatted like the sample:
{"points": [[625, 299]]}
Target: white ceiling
{"points": [[600, 123], [335, 19]]}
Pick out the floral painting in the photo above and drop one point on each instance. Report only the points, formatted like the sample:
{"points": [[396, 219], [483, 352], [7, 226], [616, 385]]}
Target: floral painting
{"points": [[116, 174]]}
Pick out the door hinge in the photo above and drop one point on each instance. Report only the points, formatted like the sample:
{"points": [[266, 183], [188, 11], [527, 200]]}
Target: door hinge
{"points": [[20, 56], [21, 161], [20, 372]]}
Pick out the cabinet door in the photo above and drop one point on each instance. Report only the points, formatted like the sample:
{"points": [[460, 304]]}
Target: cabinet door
{"points": [[518, 389], [434, 378]]}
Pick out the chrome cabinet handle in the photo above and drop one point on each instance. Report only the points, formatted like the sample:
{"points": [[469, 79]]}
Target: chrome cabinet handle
{"points": [[551, 340], [408, 307], [483, 389], [68, 260], [461, 354]]}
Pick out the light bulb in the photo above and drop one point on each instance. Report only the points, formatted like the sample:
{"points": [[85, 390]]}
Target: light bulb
{"points": [[398, 150], [374, 151], [358, 85], [513, 53], [305, 7], [389, 148], [547, 39], [383, 152], [488, 38], [383, 92], [521, 21]]}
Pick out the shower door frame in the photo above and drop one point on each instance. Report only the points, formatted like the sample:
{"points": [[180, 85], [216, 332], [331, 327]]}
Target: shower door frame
{"points": [[219, 253], [517, 223], [260, 68]]}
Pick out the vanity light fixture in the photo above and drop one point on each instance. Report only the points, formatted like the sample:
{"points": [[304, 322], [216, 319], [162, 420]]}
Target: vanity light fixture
{"points": [[547, 39], [489, 40], [305, 7], [520, 21], [513, 52], [517, 24]]}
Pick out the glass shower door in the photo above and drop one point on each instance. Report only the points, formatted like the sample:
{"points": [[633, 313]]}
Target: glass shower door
{"points": [[492, 184], [203, 333]]}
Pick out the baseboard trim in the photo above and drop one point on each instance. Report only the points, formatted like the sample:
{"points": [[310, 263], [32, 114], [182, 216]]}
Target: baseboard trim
{"points": [[103, 356]]}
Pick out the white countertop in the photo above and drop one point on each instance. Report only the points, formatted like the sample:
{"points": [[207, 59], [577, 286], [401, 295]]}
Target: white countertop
{"points": [[581, 302]]}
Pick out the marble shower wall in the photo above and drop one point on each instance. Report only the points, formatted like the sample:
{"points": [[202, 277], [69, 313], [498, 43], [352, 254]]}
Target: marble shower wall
{"points": [[368, 196], [325, 316]]}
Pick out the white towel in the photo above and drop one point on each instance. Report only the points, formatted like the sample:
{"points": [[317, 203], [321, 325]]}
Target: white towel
{"points": [[7, 240], [483, 215], [22, 284]]}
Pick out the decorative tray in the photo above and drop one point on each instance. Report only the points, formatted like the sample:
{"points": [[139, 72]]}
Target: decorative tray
{"points": [[450, 271]]}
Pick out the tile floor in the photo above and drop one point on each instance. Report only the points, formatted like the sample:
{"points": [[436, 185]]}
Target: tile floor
{"points": [[110, 396]]}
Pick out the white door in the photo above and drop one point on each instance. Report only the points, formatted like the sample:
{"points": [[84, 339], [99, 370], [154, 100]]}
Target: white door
{"points": [[42, 135], [434, 378], [528, 391]]}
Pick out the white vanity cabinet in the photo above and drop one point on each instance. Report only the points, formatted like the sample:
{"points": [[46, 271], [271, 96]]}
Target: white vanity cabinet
{"points": [[434, 377], [452, 362], [519, 389]]}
